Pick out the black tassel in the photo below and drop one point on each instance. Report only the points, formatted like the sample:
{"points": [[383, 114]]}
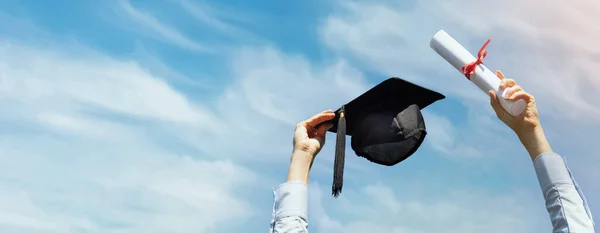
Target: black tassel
{"points": [[340, 149]]}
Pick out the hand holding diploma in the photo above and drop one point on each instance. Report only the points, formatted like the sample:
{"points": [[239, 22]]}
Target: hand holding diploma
{"points": [[527, 125], [473, 68]]}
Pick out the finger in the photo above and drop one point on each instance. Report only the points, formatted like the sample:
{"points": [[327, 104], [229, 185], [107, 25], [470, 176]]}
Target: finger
{"points": [[322, 130], [319, 118], [510, 82], [305, 129], [320, 133], [301, 132], [499, 74], [495, 102], [507, 83], [311, 132], [512, 90], [520, 95]]}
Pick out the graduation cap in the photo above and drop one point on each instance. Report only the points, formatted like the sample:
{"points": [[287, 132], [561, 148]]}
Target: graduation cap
{"points": [[385, 125]]}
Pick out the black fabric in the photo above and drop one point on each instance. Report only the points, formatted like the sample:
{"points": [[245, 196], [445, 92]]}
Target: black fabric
{"points": [[385, 124], [388, 138]]}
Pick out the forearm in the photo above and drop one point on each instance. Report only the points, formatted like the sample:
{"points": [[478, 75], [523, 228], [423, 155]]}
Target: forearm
{"points": [[300, 165], [535, 142]]}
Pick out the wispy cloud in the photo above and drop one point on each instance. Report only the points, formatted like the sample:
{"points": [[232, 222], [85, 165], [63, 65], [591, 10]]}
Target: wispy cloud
{"points": [[164, 31], [210, 16], [448, 139], [156, 65], [115, 86]]}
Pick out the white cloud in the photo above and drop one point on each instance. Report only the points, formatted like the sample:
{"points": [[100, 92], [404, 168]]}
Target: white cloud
{"points": [[378, 208], [82, 148], [94, 122], [271, 92], [96, 129], [59, 186], [42, 80]]}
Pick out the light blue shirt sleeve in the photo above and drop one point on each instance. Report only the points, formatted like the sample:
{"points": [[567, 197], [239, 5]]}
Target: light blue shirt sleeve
{"points": [[565, 202], [290, 208]]}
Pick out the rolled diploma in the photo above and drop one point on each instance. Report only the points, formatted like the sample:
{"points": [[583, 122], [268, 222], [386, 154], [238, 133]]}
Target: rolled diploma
{"points": [[455, 54]]}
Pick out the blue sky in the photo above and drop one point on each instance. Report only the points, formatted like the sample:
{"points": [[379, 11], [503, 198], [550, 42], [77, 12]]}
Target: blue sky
{"points": [[177, 115]]}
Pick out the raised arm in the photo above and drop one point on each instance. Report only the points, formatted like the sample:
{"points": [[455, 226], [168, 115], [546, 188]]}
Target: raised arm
{"points": [[565, 202], [291, 198]]}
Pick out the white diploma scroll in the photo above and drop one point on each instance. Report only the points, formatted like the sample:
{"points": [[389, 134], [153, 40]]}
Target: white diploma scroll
{"points": [[455, 54]]}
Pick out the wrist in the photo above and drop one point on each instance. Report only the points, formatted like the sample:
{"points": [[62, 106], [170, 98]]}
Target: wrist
{"points": [[300, 164], [302, 159], [535, 142]]}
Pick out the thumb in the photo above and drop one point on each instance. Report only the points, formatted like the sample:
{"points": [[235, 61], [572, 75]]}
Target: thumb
{"points": [[320, 136], [495, 103], [499, 74]]}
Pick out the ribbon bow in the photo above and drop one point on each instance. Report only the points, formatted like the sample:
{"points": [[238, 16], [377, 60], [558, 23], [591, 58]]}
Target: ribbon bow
{"points": [[469, 69]]}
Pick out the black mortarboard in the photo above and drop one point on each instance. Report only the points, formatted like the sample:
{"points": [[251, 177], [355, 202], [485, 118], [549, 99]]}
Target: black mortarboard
{"points": [[385, 123]]}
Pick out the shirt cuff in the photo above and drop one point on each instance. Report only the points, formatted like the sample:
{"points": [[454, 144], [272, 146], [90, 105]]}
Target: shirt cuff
{"points": [[550, 170], [291, 200]]}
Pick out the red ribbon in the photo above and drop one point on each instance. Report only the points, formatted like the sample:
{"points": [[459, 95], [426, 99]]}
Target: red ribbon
{"points": [[469, 69]]}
